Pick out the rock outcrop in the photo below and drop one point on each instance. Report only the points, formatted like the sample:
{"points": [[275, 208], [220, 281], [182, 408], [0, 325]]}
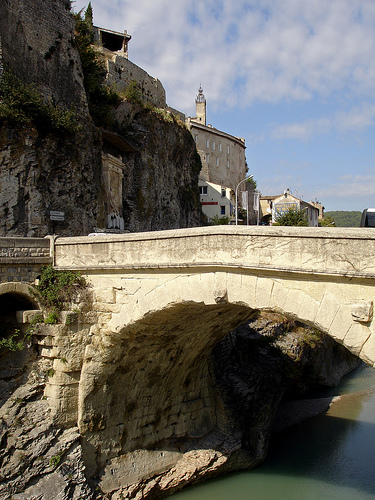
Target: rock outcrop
{"points": [[255, 367], [45, 169]]}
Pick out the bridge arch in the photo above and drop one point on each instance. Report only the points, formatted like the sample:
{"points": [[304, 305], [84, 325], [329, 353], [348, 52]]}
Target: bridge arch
{"points": [[344, 311], [152, 383], [147, 376], [15, 296]]}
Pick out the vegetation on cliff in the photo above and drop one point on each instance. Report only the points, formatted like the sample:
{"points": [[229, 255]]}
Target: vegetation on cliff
{"points": [[57, 289], [101, 98], [23, 104]]}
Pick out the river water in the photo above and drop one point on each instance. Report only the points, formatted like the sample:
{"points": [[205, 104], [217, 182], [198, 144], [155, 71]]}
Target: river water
{"points": [[329, 457]]}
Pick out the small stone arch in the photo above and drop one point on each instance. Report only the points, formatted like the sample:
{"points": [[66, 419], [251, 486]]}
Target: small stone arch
{"points": [[14, 297]]}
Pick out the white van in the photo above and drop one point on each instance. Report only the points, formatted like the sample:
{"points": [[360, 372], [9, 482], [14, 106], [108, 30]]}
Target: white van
{"points": [[368, 218]]}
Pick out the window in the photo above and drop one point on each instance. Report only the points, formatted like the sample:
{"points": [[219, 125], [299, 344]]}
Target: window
{"points": [[228, 164], [207, 158], [219, 146], [223, 192], [228, 149], [222, 209], [207, 143], [195, 138], [217, 162], [203, 190], [213, 145]]}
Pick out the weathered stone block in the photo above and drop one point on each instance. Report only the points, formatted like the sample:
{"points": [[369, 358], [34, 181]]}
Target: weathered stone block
{"points": [[221, 287], [327, 311], [356, 337], [106, 295], [27, 316], [263, 292], [341, 323], [362, 311], [235, 287]]}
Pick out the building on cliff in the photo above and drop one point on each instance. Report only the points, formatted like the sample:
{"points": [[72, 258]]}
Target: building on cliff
{"points": [[223, 162], [113, 48], [222, 155]]}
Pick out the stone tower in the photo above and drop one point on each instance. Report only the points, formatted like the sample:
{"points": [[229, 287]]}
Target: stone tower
{"points": [[200, 103]]}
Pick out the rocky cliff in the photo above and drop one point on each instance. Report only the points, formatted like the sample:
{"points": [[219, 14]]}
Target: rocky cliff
{"points": [[52, 167]]}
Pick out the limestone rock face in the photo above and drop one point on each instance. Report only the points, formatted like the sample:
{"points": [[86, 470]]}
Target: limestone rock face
{"points": [[47, 173], [44, 171], [37, 459], [160, 186]]}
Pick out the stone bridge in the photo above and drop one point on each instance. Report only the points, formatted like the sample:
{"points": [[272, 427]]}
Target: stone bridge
{"points": [[322, 277], [134, 368]]}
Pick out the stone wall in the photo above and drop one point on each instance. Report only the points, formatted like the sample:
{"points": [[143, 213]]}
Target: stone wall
{"points": [[21, 259], [38, 47], [121, 72]]}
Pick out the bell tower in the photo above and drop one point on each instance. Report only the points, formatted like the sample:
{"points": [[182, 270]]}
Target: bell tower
{"points": [[200, 103]]}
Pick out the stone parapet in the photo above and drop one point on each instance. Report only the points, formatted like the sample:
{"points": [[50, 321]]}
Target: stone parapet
{"points": [[21, 259], [313, 251]]}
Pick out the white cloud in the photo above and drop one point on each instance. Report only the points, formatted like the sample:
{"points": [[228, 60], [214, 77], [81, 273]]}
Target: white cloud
{"points": [[356, 119], [350, 186], [282, 50]]}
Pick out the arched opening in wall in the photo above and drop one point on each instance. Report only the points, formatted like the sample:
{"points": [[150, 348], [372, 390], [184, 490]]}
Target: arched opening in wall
{"points": [[157, 390], [15, 349], [187, 383], [12, 303]]}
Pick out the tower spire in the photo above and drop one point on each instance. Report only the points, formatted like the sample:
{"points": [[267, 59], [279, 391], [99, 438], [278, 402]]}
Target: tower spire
{"points": [[200, 104]]}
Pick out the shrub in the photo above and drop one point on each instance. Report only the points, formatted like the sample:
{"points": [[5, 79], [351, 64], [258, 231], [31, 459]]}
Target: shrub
{"points": [[132, 93], [52, 318], [292, 217], [21, 103], [54, 461], [11, 344], [219, 221], [58, 288]]}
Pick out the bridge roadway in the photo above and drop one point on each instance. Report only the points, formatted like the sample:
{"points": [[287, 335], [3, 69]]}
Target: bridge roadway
{"points": [[135, 370]]}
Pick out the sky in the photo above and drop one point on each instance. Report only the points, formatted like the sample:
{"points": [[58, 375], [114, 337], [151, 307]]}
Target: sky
{"points": [[294, 78]]}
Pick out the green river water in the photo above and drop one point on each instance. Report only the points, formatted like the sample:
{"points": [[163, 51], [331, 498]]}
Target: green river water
{"points": [[329, 457]]}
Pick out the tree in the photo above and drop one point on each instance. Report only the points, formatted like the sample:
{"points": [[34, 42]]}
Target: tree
{"points": [[89, 15], [327, 221], [292, 217]]}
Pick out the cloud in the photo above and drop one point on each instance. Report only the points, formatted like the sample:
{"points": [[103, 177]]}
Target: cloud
{"points": [[278, 50], [350, 186], [356, 119]]}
